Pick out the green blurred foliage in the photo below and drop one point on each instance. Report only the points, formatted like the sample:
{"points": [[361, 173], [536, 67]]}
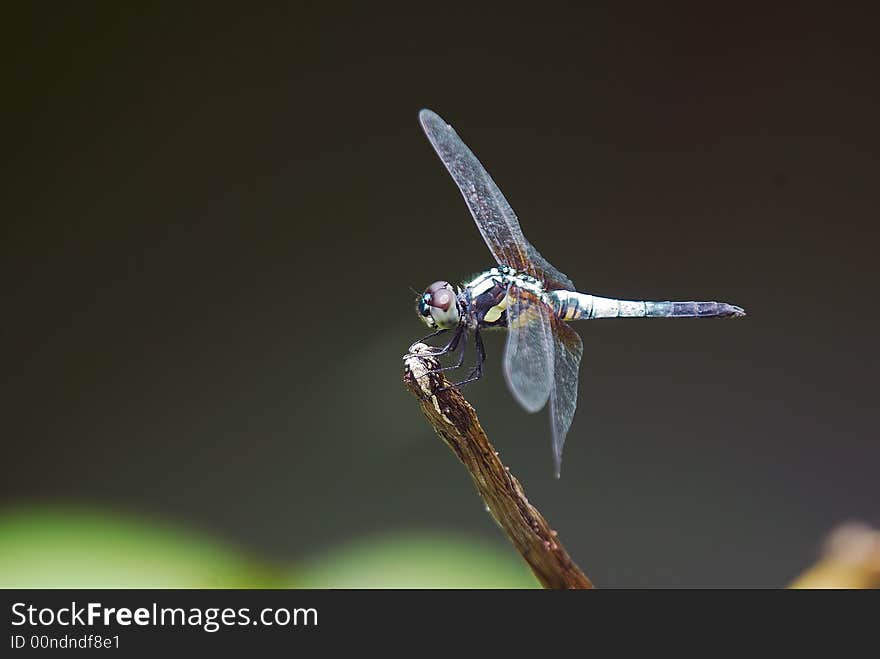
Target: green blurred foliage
{"points": [[75, 548], [416, 561], [53, 547]]}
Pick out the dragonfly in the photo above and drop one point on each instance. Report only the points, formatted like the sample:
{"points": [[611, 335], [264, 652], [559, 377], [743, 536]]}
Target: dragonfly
{"points": [[525, 295]]}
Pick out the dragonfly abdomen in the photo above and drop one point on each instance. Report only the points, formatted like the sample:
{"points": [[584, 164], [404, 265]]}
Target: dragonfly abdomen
{"points": [[570, 305]]}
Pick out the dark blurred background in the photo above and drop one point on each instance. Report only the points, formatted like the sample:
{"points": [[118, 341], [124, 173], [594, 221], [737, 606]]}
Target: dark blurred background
{"points": [[212, 218]]}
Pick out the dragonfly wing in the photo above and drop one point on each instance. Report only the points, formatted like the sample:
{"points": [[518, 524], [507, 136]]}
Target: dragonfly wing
{"points": [[494, 217], [568, 349], [528, 356], [552, 278]]}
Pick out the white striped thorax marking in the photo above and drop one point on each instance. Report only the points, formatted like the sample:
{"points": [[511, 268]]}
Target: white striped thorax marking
{"points": [[503, 276], [483, 282]]}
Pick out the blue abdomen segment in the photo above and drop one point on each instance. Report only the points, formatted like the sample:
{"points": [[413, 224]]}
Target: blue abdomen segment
{"points": [[691, 310], [570, 305]]}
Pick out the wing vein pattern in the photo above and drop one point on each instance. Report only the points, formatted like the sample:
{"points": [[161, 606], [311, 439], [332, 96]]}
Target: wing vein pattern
{"points": [[495, 218], [543, 353]]}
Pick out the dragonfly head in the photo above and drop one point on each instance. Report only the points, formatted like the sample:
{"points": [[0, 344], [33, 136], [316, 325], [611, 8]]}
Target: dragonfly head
{"points": [[438, 306]]}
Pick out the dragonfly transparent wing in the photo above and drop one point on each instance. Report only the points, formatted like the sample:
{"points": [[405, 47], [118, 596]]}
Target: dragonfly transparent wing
{"points": [[494, 217], [528, 355], [567, 351]]}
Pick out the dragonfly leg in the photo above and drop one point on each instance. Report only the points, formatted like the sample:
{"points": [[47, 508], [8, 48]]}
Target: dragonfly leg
{"points": [[433, 352], [461, 352], [477, 373]]}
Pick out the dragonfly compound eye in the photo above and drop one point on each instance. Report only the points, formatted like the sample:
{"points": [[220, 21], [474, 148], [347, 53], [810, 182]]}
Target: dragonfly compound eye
{"points": [[442, 304], [423, 306], [438, 306]]}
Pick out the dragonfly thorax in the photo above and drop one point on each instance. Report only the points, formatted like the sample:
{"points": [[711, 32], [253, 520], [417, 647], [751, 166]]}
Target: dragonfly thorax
{"points": [[487, 295]]}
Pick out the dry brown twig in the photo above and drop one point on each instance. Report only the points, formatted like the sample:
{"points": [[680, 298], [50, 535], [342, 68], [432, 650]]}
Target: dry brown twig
{"points": [[455, 421], [852, 554]]}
